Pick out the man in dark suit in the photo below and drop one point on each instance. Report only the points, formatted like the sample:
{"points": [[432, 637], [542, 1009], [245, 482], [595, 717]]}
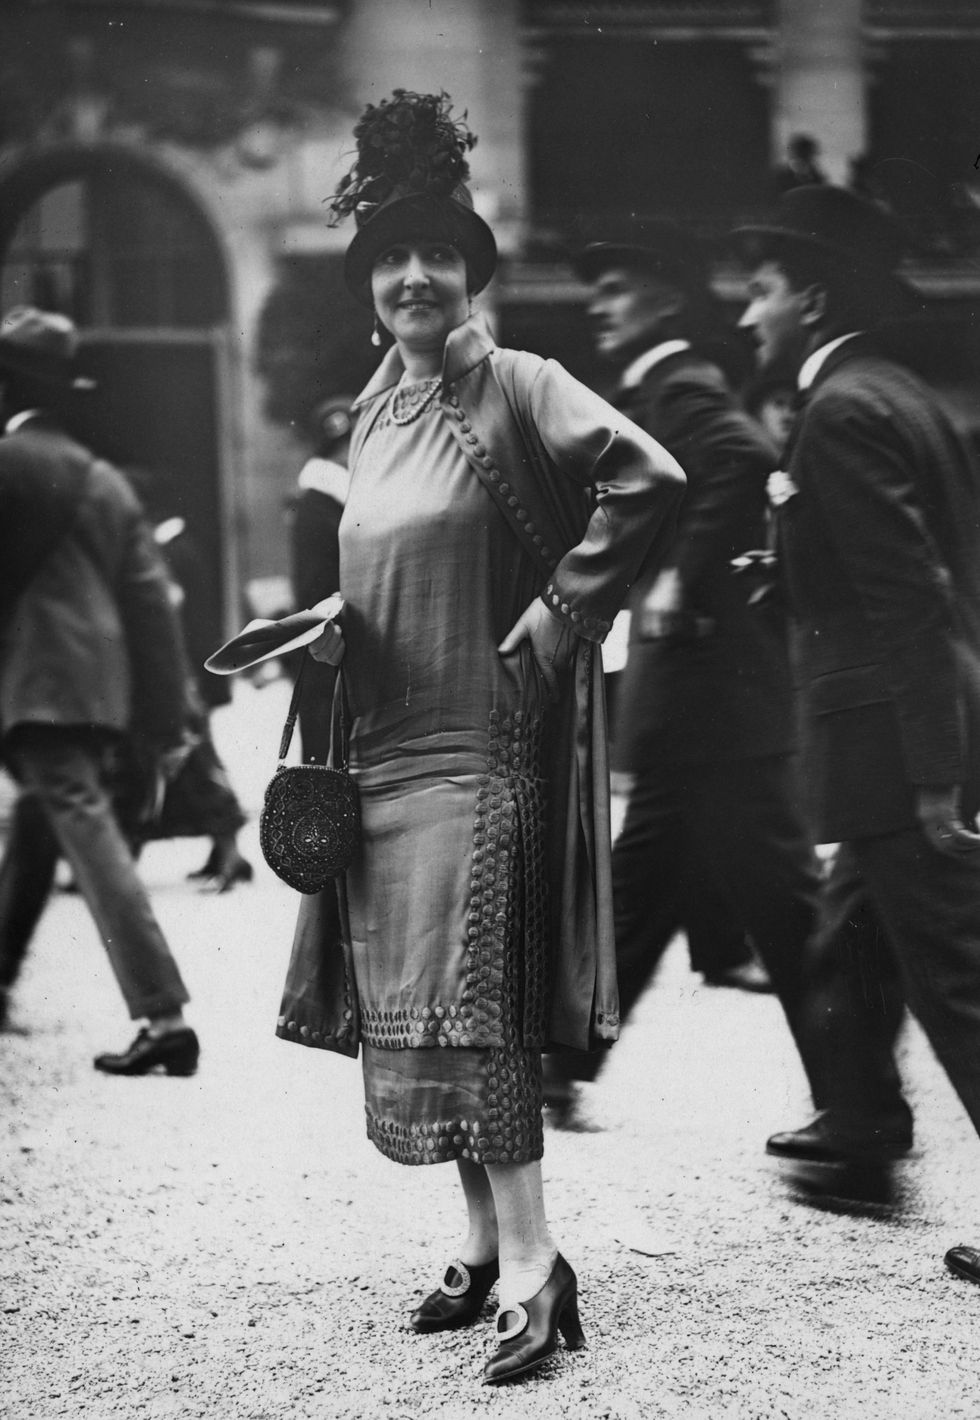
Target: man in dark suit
{"points": [[878, 540], [89, 646], [705, 722]]}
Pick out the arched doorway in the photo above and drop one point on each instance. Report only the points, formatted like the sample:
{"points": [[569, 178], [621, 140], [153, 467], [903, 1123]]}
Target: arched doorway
{"points": [[114, 241]]}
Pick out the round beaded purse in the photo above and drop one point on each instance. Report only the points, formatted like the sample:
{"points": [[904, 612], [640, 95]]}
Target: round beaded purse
{"points": [[310, 824]]}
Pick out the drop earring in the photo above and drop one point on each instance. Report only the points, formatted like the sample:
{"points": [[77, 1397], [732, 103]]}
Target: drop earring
{"points": [[376, 333]]}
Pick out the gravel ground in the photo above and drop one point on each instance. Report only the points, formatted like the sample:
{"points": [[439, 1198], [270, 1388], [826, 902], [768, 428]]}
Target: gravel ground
{"points": [[231, 1246]]}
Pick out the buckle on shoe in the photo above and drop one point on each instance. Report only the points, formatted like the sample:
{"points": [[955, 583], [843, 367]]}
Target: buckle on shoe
{"points": [[511, 1331], [456, 1289]]}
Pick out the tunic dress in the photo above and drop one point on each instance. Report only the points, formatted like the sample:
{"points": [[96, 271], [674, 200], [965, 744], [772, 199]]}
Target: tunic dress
{"points": [[445, 734], [476, 926]]}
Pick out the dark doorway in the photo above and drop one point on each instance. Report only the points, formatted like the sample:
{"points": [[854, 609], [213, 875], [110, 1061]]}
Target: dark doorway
{"points": [[118, 245]]}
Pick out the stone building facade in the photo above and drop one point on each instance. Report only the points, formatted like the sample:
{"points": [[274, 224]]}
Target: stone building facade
{"points": [[164, 166]]}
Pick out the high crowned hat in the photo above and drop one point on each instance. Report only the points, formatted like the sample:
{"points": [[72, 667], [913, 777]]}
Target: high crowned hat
{"points": [[865, 242], [42, 345], [658, 246], [409, 180]]}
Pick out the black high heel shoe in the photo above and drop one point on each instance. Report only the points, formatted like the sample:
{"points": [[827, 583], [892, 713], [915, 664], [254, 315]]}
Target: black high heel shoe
{"points": [[459, 1300], [528, 1333], [236, 870]]}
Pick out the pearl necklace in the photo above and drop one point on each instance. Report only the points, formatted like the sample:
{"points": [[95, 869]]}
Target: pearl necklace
{"points": [[408, 401]]}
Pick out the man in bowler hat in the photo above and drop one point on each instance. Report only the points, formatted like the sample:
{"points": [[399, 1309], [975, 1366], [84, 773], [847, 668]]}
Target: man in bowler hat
{"points": [[705, 721], [877, 539], [89, 646]]}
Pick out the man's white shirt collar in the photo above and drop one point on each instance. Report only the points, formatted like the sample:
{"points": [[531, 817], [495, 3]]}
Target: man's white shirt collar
{"points": [[16, 421], [814, 363], [637, 370]]}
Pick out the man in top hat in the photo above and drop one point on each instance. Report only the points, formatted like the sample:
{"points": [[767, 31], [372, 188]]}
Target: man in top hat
{"points": [[878, 543], [89, 646], [705, 720]]}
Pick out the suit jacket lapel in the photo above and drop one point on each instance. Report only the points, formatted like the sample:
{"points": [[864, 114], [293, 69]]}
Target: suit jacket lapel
{"points": [[859, 345]]}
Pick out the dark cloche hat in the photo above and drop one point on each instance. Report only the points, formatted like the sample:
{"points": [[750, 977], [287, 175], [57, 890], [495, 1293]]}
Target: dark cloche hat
{"points": [[658, 246], [409, 180], [863, 239], [42, 345]]}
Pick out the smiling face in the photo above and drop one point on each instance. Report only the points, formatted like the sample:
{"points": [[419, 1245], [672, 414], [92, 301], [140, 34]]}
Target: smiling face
{"points": [[778, 316], [420, 293], [628, 310]]}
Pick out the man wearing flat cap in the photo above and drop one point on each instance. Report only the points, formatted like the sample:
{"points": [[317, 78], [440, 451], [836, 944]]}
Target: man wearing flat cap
{"points": [[879, 548], [89, 646], [705, 721]]}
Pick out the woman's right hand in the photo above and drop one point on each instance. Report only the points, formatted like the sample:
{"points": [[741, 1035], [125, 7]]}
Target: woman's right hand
{"points": [[329, 646], [552, 643]]}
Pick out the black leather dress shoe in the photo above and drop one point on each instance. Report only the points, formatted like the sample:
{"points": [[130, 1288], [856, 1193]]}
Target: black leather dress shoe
{"points": [[209, 868], [859, 1188], [459, 1300], [965, 1262], [176, 1052], [821, 1143], [569, 1115]]}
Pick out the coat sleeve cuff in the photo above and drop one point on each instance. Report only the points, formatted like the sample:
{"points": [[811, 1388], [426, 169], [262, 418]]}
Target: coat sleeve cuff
{"points": [[593, 628]]}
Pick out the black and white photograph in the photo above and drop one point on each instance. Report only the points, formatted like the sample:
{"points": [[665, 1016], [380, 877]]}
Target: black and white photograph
{"points": [[490, 594]]}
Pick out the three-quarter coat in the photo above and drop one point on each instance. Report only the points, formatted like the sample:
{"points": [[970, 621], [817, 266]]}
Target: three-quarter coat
{"points": [[586, 493], [880, 541]]}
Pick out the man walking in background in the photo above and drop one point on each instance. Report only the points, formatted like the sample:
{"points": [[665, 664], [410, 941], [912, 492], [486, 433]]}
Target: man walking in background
{"points": [[89, 646], [705, 721], [879, 546]]}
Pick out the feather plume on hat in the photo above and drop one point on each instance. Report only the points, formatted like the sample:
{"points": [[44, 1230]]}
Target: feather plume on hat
{"points": [[408, 143], [409, 175]]}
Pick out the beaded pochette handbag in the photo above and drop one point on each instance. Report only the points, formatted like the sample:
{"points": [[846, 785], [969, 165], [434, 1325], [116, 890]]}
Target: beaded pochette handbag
{"points": [[310, 824]]}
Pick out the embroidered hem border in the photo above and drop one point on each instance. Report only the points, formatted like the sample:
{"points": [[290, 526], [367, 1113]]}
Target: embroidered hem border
{"points": [[445, 1142]]}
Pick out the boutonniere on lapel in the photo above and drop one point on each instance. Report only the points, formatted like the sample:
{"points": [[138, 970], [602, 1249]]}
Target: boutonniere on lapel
{"points": [[780, 488]]}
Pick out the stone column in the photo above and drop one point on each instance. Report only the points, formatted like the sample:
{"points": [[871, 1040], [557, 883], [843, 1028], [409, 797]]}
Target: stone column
{"points": [[820, 80]]}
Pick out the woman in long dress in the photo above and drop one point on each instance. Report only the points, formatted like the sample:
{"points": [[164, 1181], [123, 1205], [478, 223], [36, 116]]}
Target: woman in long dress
{"points": [[497, 513]]}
